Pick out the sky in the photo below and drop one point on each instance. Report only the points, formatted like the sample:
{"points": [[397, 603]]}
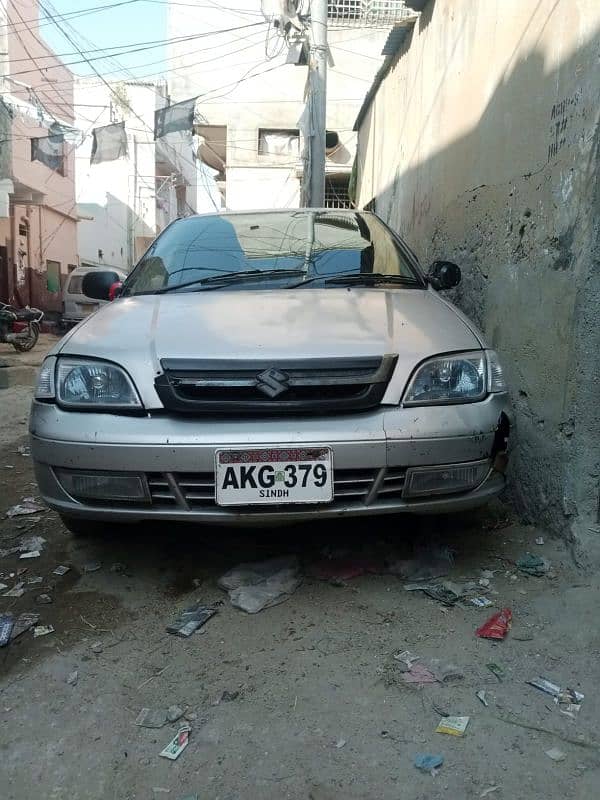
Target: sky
{"points": [[137, 21]]}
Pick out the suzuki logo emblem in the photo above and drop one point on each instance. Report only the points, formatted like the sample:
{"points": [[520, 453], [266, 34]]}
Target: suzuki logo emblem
{"points": [[272, 382]]}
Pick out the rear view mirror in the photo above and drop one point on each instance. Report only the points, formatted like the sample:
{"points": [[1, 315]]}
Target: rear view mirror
{"points": [[97, 285], [443, 275]]}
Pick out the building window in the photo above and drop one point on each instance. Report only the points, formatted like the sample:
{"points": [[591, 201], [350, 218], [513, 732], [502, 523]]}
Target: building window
{"points": [[53, 276], [336, 191], [278, 142], [341, 10]]}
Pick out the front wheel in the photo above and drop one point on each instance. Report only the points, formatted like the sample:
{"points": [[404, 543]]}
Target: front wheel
{"points": [[24, 345]]}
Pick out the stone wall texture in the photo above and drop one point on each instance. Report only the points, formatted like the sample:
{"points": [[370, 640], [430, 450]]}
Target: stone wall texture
{"points": [[482, 146]]}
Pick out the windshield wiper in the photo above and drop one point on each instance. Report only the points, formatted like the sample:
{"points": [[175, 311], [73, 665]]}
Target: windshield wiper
{"points": [[368, 278], [232, 277]]}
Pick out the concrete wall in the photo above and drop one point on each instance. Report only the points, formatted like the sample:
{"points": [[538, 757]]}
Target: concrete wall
{"points": [[482, 146], [240, 88], [262, 187]]}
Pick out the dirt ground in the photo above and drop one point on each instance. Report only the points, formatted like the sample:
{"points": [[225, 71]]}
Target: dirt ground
{"points": [[319, 707]]}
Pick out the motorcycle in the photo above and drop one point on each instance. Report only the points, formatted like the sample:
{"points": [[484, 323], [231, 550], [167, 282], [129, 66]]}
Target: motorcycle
{"points": [[20, 326]]}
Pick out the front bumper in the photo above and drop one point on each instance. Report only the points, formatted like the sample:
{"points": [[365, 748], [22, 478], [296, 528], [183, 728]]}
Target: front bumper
{"points": [[371, 454]]}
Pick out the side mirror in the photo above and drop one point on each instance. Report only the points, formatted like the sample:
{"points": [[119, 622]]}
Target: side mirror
{"points": [[97, 285], [443, 275]]}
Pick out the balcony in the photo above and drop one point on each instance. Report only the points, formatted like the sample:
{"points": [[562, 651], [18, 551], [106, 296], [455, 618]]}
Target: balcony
{"points": [[369, 13]]}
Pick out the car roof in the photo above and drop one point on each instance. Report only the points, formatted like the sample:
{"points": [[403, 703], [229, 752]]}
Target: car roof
{"points": [[83, 269]]}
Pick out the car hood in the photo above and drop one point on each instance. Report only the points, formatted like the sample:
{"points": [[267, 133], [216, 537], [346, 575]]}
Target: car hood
{"points": [[137, 332]]}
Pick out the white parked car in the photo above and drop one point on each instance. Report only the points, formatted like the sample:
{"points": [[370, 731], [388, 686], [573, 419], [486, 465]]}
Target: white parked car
{"points": [[76, 306]]}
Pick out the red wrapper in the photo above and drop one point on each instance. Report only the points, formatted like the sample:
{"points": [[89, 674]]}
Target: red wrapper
{"points": [[497, 625]]}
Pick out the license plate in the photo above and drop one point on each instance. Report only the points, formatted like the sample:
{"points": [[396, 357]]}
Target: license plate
{"points": [[273, 475]]}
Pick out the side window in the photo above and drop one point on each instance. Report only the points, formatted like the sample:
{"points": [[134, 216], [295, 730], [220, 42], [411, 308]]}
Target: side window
{"points": [[75, 284], [278, 142]]}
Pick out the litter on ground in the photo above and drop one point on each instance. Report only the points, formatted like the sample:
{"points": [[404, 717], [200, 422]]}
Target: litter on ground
{"points": [[444, 671], [496, 670], [16, 591], [533, 565], [453, 726], [42, 630], [418, 674], [31, 543], [253, 587], [481, 602], [497, 626], [7, 622], [190, 619], [555, 754], [23, 623], [428, 762], [480, 695], [27, 506], [177, 744], [561, 695], [406, 657]]}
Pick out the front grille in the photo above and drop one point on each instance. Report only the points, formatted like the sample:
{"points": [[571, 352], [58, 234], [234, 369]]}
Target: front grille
{"points": [[273, 387], [195, 490], [392, 483]]}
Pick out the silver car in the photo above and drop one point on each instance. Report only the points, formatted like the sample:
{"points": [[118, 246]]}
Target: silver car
{"points": [[268, 367]]}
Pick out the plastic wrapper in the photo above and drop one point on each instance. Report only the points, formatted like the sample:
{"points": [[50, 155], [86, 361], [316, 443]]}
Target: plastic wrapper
{"points": [[497, 626]]}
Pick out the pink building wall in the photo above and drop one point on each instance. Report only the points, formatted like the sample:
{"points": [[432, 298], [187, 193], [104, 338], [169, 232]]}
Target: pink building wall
{"points": [[43, 225]]}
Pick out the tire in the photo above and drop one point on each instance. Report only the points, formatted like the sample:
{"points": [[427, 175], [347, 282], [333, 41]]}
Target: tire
{"points": [[79, 526], [25, 345]]}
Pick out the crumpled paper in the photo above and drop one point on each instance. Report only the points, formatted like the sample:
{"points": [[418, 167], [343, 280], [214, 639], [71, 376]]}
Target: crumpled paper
{"points": [[255, 586]]}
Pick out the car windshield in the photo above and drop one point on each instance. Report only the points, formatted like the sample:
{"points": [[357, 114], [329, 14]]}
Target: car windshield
{"points": [[284, 246]]}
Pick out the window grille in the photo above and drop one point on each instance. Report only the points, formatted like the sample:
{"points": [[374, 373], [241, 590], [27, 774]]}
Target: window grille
{"points": [[336, 191], [369, 13]]}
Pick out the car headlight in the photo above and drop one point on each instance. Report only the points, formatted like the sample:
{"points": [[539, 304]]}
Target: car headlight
{"points": [[94, 384], [456, 378]]}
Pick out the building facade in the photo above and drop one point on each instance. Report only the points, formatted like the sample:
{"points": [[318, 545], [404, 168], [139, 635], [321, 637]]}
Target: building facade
{"points": [[124, 203], [252, 100], [38, 216]]}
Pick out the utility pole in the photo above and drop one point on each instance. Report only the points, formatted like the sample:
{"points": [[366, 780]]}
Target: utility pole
{"points": [[317, 102]]}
